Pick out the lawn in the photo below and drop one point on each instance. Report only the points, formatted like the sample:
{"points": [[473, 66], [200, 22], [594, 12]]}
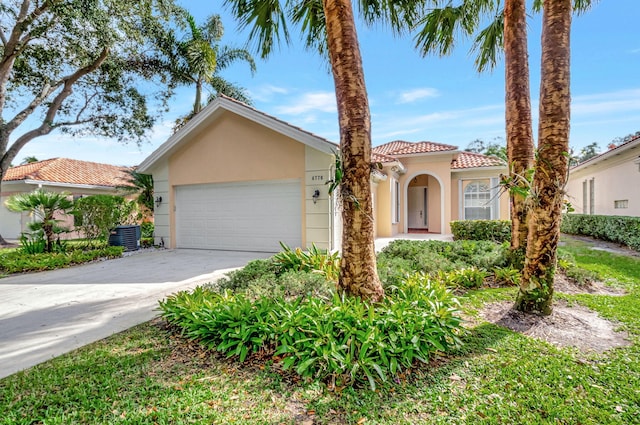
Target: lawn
{"points": [[147, 375]]}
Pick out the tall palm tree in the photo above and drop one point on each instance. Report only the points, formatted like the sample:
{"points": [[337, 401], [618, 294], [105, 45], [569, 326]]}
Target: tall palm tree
{"points": [[329, 28], [551, 169], [200, 57], [44, 206], [519, 128]]}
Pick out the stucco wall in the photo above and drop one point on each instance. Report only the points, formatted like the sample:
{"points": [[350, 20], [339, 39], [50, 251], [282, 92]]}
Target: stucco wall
{"points": [[230, 149], [13, 224], [438, 168], [614, 179]]}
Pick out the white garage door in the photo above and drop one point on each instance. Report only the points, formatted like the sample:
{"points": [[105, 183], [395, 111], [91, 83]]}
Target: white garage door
{"points": [[250, 216]]}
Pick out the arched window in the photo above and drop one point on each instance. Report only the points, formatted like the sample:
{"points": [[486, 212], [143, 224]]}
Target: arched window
{"points": [[477, 201]]}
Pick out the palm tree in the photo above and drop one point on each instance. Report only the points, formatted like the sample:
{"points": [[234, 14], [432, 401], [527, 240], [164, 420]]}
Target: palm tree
{"points": [[551, 169], [29, 160], [519, 128], [329, 28], [142, 184], [44, 205], [199, 57], [506, 31]]}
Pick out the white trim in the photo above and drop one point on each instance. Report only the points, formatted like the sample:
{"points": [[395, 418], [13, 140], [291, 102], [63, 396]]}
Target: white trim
{"points": [[406, 204], [223, 104], [60, 184]]}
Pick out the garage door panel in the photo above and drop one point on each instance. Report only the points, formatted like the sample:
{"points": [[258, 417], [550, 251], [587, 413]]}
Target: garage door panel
{"points": [[251, 216]]}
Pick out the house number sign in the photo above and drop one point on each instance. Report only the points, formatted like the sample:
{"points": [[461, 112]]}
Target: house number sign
{"points": [[317, 178]]}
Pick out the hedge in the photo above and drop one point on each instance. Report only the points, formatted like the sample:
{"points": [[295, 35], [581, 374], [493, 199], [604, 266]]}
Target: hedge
{"points": [[482, 230], [620, 229]]}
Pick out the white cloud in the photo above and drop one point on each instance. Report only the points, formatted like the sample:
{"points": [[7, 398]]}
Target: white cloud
{"points": [[267, 92], [411, 96], [622, 101], [308, 103]]}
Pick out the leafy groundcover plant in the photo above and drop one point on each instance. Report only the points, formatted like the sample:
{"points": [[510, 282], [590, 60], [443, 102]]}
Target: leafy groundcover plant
{"points": [[342, 340]]}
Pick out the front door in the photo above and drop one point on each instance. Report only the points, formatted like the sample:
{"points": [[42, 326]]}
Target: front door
{"points": [[417, 207]]}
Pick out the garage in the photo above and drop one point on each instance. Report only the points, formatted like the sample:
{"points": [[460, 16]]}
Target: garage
{"points": [[244, 216]]}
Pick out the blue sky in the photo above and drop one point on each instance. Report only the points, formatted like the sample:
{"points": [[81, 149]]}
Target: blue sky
{"points": [[413, 98]]}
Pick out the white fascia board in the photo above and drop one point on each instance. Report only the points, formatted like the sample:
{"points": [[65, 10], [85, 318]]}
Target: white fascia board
{"points": [[493, 167], [607, 155], [60, 184]]}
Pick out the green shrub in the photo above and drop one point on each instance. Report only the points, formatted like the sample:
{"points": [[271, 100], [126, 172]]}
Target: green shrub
{"points": [[482, 230], [96, 215], [314, 260], [240, 279], [146, 230], [403, 257], [19, 262], [288, 285], [619, 229], [33, 243], [506, 276], [343, 339], [471, 278]]}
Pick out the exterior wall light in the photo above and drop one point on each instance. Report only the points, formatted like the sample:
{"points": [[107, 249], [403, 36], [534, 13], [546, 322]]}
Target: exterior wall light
{"points": [[158, 200], [315, 196]]}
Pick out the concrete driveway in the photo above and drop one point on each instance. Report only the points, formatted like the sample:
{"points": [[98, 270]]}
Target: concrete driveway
{"points": [[44, 315]]}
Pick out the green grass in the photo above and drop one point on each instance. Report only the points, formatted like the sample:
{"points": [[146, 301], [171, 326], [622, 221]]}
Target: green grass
{"points": [[145, 376]]}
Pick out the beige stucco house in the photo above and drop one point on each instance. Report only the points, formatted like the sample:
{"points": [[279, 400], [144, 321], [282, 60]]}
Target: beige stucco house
{"points": [[78, 178], [609, 183], [236, 178]]}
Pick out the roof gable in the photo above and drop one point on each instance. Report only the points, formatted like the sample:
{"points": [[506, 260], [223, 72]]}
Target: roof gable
{"points": [[223, 103], [400, 147], [632, 143], [69, 171]]}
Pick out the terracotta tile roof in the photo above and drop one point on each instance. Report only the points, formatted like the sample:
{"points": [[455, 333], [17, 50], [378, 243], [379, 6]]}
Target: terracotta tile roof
{"points": [[382, 158], [69, 171], [475, 160], [399, 147]]}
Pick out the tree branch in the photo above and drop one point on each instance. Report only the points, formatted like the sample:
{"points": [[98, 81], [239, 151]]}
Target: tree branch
{"points": [[47, 123]]}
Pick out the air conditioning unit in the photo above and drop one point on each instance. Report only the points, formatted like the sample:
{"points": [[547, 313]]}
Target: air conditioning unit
{"points": [[126, 236]]}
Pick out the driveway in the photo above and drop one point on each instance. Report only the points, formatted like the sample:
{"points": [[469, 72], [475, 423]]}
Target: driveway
{"points": [[44, 315]]}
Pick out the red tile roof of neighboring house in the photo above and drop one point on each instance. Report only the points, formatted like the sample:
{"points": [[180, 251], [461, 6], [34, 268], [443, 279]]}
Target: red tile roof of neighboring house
{"points": [[399, 147], [475, 160], [382, 158], [70, 171]]}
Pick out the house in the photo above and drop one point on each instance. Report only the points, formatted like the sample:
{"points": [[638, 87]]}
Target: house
{"points": [[235, 178], [80, 178], [609, 183]]}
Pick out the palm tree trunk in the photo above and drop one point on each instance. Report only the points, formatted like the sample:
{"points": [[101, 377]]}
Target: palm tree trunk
{"points": [[358, 273], [197, 104], [536, 288], [519, 129]]}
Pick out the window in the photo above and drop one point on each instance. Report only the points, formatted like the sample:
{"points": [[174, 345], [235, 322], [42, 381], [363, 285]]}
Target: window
{"points": [[624, 203], [397, 202], [477, 201], [592, 196]]}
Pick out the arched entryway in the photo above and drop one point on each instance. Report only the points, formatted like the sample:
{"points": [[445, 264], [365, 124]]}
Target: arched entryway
{"points": [[424, 204]]}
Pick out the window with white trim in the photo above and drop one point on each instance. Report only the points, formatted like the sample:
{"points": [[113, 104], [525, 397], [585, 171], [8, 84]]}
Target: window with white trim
{"points": [[592, 196], [477, 201], [623, 203], [396, 201]]}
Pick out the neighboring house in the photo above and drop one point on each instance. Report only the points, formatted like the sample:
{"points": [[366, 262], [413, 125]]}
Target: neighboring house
{"points": [[236, 178], [79, 178], [609, 183]]}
